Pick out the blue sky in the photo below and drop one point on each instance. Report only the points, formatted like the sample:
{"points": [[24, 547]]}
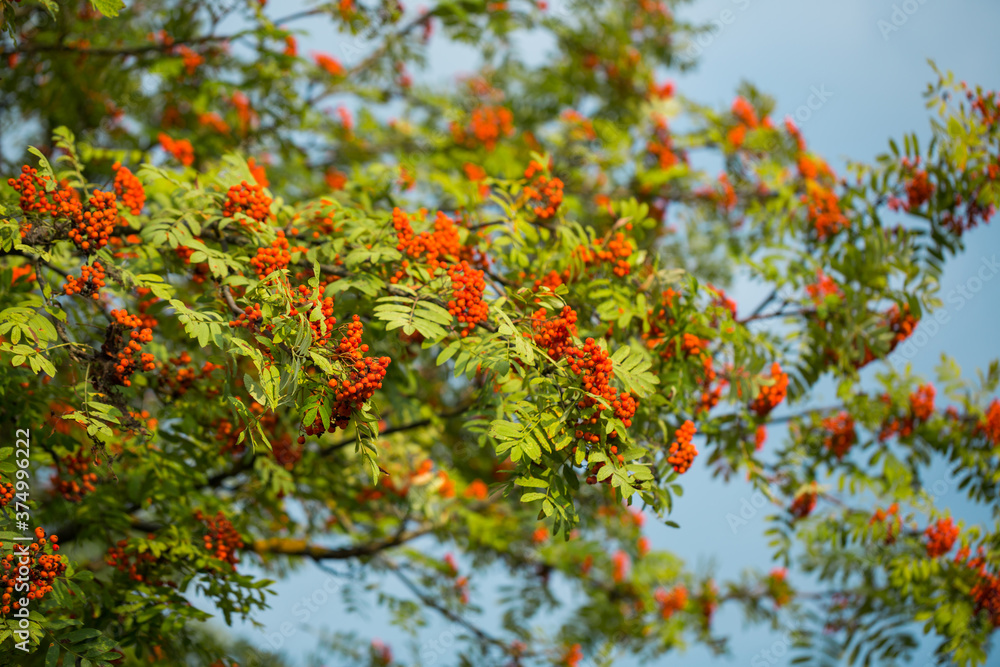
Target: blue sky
{"points": [[872, 67]]}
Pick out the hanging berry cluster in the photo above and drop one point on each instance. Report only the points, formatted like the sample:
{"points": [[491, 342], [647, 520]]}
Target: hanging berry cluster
{"points": [[682, 449], [614, 252], [94, 227], [467, 288], [364, 377], [985, 592], [595, 369], [129, 189], [443, 242], [555, 335], [250, 200], [770, 396], [89, 284], [126, 352], [901, 323], [44, 566], [989, 425], [250, 319], [322, 328], [823, 210], [180, 149], [487, 125], [272, 258], [920, 410], [6, 493], [61, 202], [803, 505], [548, 192], [222, 538], [941, 536], [126, 558], [72, 479], [841, 435], [671, 601]]}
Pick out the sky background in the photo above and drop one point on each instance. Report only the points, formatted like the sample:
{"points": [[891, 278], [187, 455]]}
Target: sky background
{"points": [[874, 77]]}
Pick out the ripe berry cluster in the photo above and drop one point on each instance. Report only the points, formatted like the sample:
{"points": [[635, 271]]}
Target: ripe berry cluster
{"points": [[486, 126], [442, 242], [127, 354], [93, 228], [129, 189], [918, 191], [6, 493], [770, 396], [985, 592], [594, 366], [615, 252], [251, 318], [803, 505], [43, 568], [322, 329], [921, 409], [901, 323], [273, 258], [671, 602], [72, 480], [136, 564], [89, 284], [989, 425], [841, 435], [548, 192], [467, 287], [250, 200], [222, 539], [555, 335], [890, 520], [62, 202], [364, 377], [181, 149], [823, 210], [682, 450], [941, 537]]}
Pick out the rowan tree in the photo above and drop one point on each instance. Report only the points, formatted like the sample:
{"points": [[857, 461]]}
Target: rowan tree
{"points": [[242, 326]]}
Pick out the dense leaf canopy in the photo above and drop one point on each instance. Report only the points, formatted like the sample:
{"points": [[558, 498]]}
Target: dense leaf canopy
{"points": [[264, 307]]}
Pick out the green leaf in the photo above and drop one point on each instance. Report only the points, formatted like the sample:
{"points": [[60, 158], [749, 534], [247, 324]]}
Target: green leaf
{"points": [[108, 7]]}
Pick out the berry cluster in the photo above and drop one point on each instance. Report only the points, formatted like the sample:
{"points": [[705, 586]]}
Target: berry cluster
{"points": [[273, 258], [941, 537], [555, 335], [682, 450], [7, 493], [43, 568], [181, 149], [222, 539], [467, 287], [901, 323], [250, 200], [129, 189], [128, 352], [89, 284], [803, 505], [486, 126], [594, 366], [921, 409], [364, 377], [179, 377], [93, 228], [918, 190], [770, 396], [442, 242], [72, 480], [23, 271], [823, 287], [890, 520], [251, 318], [136, 564], [322, 328], [841, 435], [989, 426], [616, 252], [62, 202], [778, 587], [671, 601], [548, 192], [823, 209], [986, 591]]}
